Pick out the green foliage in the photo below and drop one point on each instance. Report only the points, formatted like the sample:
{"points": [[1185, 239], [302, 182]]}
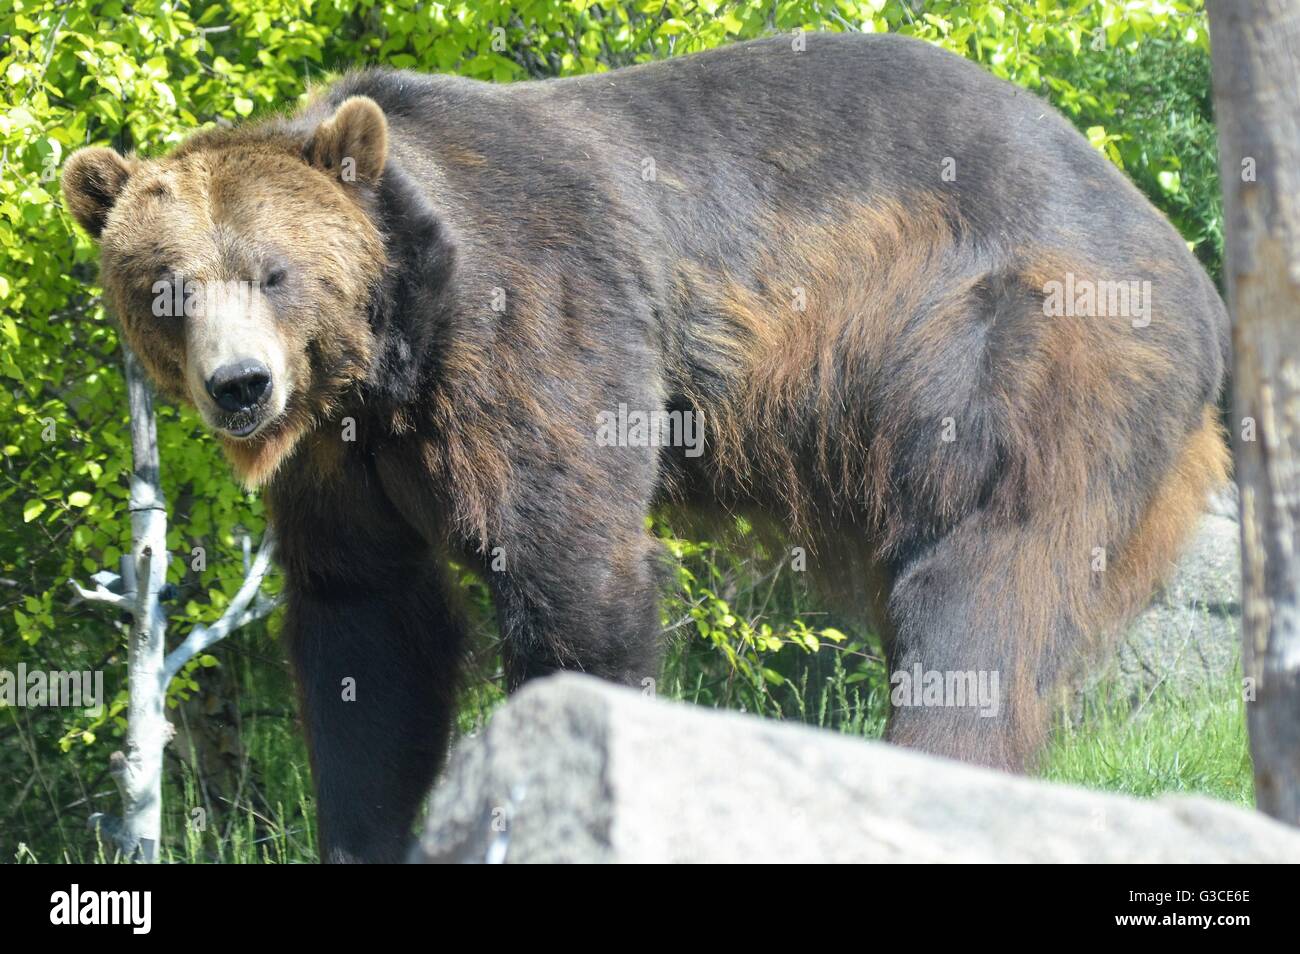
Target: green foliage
{"points": [[744, 634], [140, 76]]}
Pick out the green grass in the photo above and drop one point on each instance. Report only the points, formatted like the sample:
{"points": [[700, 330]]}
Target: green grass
{"points": [[281, 832], [1189, 741]]}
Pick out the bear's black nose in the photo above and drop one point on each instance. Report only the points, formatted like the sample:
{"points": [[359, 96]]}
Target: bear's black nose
{"points": [[240, 385]]}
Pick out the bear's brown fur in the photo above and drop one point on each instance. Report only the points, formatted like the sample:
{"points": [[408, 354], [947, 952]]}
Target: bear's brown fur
{"points": [[453, 282]]}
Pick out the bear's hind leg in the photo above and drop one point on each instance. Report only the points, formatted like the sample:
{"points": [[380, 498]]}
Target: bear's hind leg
{"points": [[984, 622]]}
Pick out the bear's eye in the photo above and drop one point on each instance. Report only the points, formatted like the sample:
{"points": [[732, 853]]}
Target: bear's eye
{"points": [[275, 277]]}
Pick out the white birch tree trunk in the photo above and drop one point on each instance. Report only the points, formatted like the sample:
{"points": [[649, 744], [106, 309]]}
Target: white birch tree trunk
{"points": [[138, 769]]}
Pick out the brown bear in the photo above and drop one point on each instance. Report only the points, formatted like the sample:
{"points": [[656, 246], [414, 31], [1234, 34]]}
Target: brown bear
{"points": [[918, 321]]}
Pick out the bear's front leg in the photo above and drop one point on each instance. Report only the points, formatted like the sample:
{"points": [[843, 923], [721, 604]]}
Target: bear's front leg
{"points": [[375, 667], [375, 649], [580, 594]]}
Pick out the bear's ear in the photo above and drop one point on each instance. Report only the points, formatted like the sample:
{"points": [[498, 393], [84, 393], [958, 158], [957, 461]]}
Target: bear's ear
{"points": [[92, 180], [353, 143]]}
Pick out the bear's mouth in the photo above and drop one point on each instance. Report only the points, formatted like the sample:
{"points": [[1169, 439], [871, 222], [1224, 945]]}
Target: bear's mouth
{"points": [[246, 424], [244, 430], [241, 426]]}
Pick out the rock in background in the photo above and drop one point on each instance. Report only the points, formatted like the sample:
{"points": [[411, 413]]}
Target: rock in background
{"points": [[1190, 636], [576, 770]]}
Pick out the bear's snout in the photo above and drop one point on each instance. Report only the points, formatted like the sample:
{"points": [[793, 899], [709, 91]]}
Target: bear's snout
{"points": [[240, 386]]}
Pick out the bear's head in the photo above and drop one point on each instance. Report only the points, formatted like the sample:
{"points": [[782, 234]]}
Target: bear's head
{"points": [[243, 269]]}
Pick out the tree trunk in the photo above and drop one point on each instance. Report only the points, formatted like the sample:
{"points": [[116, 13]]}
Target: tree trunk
{"points": [[1256, 55], [138, 770]]}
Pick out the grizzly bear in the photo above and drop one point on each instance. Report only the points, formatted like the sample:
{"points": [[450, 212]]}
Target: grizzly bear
{"points": [[921, 324]]}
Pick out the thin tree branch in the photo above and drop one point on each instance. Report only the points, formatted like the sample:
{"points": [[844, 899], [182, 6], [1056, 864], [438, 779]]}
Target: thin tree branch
{"points": [[241, 611], [101, 595]]}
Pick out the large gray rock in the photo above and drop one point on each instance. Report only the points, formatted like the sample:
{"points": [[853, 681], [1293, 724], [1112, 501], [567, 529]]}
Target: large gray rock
{"points": [[1190, 636], [574, 770]]}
